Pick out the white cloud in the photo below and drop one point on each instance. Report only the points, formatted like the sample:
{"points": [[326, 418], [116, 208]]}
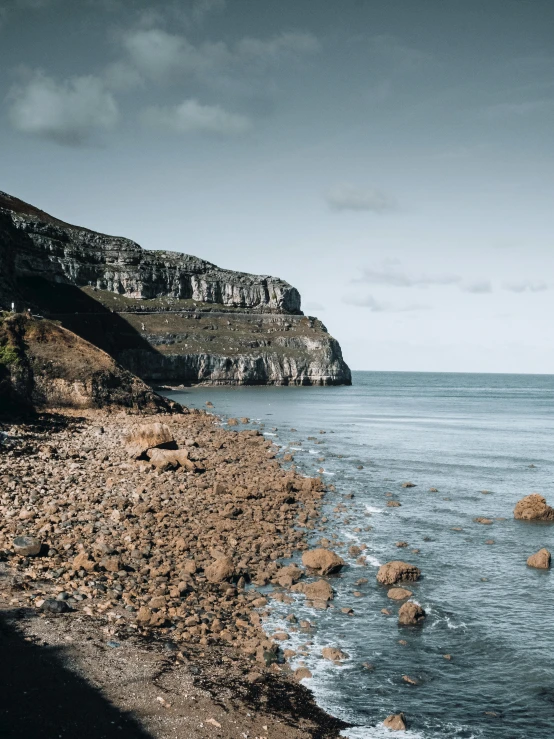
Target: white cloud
{"points": [[350, 197], [397, 278], [67, 112], [480, 287], [191, 116], [525, 286], [377, 306], [159, 55]]}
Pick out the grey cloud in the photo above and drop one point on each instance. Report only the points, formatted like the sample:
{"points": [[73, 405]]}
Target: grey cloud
{"points": [[376, 306], [483, 286], [525, 286], [67, 112], [396, 278], [192, 117], [349, 197]]}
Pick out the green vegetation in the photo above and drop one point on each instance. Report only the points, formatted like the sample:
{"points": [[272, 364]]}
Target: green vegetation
{"points": [[8, 355]]}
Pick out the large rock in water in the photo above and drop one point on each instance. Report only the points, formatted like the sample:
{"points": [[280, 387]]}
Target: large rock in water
{"points": [[397, 571], [411, 614], [323, 561], [395, 722], [165, 316], [533, 508], [540, 560]]}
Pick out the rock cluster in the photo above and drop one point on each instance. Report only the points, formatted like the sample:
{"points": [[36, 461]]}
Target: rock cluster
{"points": [[170, 550]]}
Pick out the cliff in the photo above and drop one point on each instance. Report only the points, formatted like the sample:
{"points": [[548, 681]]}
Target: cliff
{"points": [[163, 315]]}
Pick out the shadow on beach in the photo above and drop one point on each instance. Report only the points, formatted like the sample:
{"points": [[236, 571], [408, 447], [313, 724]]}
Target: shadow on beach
{"points": [[41, 698]]}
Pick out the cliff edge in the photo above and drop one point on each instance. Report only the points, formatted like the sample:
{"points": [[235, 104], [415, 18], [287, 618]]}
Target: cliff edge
{"points": [[165, 316]]}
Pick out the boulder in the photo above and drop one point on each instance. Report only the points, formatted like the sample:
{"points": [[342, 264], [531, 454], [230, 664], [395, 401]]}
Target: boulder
{"points": [[411, 614], [220, 570], [27, 546], [333, 654], [302, 673], [170, 459], [318, 591], [397, 571], [324, 561], [398, 593], [148, 436], [483, 520], [533, 508], [540, 560], [395, 722], [83, 562]]}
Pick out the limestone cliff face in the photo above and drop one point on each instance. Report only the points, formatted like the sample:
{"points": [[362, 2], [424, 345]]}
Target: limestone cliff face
{"points": [[64, 253], [168, 317]]}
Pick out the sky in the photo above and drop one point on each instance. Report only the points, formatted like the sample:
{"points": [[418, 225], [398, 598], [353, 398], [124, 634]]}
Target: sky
{"points": [[392, 159]]}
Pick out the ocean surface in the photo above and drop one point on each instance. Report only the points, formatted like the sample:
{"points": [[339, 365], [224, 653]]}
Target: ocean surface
{"points": [[462, 434]]}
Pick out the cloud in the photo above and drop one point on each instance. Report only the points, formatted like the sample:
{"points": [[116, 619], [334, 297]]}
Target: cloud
{"points": [[376, 306], [480, 287], [68, 112], [157, 54], [396, 278], [350, 197], [191, 117], [525, 286]]}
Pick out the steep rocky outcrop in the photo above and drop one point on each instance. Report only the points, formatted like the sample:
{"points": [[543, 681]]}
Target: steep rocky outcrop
{"points": [[43, 366], [166, 316]]}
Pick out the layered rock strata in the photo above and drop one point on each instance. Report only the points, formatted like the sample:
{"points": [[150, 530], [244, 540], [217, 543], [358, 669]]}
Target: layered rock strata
{"points": [[166, 316]]}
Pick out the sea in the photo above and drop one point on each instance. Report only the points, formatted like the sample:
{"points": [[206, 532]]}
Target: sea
{"points": [[482, 664]]}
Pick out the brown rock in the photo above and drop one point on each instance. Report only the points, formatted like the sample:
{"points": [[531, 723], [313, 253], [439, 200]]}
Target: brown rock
{"points": [[302, 673], [393, 504], [395, 722], [170, 459], [398, 593], [410, 680], [401, 544], [220, 570], [323, 561], [397, 571], [484, 521], [147, 437], [533, 508], [333, 654], [540, 560], [83, 562], [408, 485], [411, 614]]}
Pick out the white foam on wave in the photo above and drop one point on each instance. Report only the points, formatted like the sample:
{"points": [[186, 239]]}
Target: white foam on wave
{"points": [[296, 448], [268, 433], [379, 731], [373, 509]]}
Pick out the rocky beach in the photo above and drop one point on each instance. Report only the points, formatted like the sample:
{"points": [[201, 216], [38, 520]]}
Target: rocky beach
{"points": [[149, 539]]}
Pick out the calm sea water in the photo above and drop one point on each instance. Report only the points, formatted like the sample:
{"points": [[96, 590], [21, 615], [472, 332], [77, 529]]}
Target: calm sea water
{"points": [[462, 434]]}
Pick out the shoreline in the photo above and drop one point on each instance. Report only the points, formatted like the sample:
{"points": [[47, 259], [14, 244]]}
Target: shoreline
{"points": [[163, 587]]}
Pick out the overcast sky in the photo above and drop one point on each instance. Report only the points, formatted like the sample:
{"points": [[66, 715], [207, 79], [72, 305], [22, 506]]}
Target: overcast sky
{"points": [[392, 159]]}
